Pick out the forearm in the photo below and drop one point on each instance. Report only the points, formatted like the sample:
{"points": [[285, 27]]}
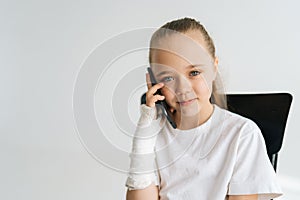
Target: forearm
{"points": [[142, 171], [149, 193]]}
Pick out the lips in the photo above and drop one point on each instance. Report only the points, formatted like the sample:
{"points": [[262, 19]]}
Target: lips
{"points": [[186, 102]]}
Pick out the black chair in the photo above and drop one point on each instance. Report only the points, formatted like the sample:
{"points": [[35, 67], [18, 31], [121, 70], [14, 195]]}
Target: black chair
{"points": [[269, 111]]}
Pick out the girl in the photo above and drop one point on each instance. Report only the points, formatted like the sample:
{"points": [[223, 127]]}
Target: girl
{"points": [[213, 153]]}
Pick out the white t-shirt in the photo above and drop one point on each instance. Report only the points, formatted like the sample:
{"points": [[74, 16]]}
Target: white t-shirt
{"points": [[224, 156]]}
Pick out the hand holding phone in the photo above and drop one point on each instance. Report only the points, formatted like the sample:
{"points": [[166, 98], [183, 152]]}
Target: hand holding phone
{"points": [[161, 102]]}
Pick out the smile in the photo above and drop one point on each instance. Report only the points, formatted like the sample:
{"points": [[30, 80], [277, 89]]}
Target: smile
{"points": [[185, 103]]}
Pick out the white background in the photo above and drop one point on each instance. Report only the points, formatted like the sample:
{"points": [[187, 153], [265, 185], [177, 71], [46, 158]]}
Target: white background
{"points": [[44, 43]]}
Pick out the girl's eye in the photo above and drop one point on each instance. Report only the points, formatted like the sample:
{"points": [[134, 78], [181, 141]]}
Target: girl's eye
{"points": [[194, 73], [167, 79]]}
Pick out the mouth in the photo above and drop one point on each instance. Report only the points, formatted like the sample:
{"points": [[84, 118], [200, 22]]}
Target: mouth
{"points": [[187, 102]]}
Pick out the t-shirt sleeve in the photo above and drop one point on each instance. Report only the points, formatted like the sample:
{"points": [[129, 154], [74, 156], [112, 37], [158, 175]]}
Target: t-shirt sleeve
{"points": [[253, 172]]}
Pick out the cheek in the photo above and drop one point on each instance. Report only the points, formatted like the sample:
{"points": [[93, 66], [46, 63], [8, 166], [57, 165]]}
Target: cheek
{"points": [[203, 87], [169, 94]]}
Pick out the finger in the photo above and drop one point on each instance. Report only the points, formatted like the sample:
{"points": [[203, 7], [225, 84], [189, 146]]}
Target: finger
{"points": [[156, 87], [172, 110], [152, 100], [148, 81], [159, 97]]}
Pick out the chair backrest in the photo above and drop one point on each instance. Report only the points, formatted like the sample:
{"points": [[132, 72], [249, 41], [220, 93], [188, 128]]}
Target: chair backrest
{"points": [[269, 111]]}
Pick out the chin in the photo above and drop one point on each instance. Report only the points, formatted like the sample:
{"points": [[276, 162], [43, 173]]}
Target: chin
{"points": [[191, 110]]}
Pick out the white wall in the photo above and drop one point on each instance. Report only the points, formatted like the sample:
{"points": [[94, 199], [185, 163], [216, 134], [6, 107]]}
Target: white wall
{"points": [[45, 43]]}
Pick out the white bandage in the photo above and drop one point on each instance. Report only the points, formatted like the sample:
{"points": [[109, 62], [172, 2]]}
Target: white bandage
{"points": [[142, 170]]}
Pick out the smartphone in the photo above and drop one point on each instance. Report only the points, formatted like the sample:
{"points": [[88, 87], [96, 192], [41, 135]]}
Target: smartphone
{"points": [[162, 104]]}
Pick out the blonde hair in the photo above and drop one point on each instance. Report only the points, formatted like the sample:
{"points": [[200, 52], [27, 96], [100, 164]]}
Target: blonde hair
{"points": [[184, 25]]}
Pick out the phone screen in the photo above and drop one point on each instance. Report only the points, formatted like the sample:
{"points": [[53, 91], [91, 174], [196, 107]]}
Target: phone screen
{"points": [[162, 104]]}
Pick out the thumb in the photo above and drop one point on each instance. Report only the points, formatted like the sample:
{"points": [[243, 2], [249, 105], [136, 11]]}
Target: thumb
{"points": [[172, 110]]}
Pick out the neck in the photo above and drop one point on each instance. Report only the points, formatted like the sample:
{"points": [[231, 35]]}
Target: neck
{"points": [[188, 122]]}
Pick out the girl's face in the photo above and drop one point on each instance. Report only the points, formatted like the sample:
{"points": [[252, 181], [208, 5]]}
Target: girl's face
{"points": [[182, 63]]}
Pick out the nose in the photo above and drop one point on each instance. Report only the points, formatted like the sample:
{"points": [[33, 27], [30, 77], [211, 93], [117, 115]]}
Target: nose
{"points": [[183, 86]]}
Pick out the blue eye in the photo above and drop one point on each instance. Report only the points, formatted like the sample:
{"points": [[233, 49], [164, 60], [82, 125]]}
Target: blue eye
{"points": [[194, 73], [167, 79]]}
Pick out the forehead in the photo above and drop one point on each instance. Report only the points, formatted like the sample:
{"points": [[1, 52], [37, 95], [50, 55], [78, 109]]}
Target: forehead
{"points": [[180, 49], [168, 62]]}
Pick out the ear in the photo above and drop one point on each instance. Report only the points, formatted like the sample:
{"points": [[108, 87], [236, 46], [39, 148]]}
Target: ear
{"points": [[216, 63]]}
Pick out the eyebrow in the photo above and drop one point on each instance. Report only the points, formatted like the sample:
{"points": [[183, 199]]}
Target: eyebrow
{"points": [[187, 67], [162, 73], [195, 66]]}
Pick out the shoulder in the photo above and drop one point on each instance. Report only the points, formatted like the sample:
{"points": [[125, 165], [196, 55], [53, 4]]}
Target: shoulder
{"points": [[237, 124]]}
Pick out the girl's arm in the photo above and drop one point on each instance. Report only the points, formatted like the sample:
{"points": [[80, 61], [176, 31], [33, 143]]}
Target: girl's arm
{"points": [[243, 197], [149, 193], [142, 180]]}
